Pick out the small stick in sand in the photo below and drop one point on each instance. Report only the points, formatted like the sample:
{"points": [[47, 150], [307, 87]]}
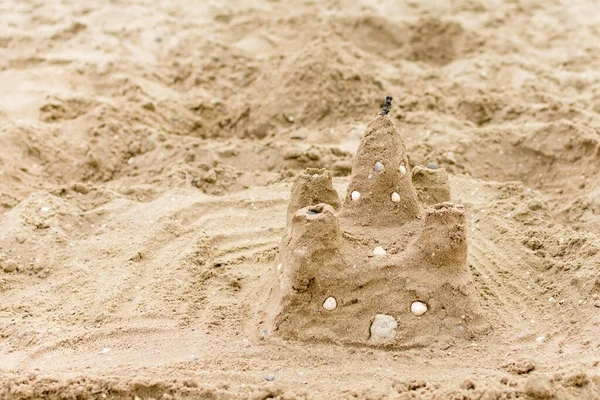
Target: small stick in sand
{"points": [[387, 105]]}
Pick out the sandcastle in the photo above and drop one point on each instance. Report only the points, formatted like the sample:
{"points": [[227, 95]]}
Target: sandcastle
{"points": [[387, 266]]}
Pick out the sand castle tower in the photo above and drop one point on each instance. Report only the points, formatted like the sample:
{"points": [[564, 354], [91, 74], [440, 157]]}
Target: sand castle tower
{"points": [[381, 181], [431, 184], [387, 269], [312, 186]]}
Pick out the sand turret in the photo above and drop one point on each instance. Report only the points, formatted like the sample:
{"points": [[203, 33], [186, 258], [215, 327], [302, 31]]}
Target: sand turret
{"points": [[431, 184], [312, 186], [381, 190], [443, 237], [311, 254]]}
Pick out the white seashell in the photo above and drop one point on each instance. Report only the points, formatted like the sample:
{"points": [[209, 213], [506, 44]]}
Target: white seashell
{"points": [[378, 167], [355, 195], [315, 176], [403, 169], [279, 267], [379, 251], [395, 197], [418, 308], [330, 304]]}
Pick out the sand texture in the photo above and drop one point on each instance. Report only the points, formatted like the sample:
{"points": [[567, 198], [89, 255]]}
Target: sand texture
{"points": [[178, 217]]}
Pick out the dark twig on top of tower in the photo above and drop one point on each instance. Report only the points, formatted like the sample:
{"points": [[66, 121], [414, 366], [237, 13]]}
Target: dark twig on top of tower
{"points": [[387, 105]]}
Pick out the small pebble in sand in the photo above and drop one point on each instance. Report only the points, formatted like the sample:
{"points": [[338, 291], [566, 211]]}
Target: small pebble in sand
{"points": [[269, 378], [379, 251], [330, 304], [315, 176], [10, 266], [149, 106], [355, 195], [279, 267], [403, 170], [418, 308], [551, 300], [467, 384], [539, 386], [395, 197], [431, 166], [378, 167]]}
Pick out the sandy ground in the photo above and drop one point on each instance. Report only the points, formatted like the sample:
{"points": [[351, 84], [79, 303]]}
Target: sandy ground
{"points": [[147, 151]]}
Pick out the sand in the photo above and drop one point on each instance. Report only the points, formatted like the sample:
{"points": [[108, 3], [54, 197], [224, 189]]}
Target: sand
{"points": [[149, 153]]}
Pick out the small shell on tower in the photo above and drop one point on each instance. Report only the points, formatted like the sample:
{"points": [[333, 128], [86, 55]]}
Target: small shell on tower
{"points": [[379, 251], [330, 304], [418, 308]]}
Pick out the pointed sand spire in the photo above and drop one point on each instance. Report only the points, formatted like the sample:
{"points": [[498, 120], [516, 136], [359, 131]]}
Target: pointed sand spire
{"points": [[380, 176]]}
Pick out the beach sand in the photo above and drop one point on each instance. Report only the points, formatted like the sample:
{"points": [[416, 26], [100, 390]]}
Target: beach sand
{"points": [[147, 154]]}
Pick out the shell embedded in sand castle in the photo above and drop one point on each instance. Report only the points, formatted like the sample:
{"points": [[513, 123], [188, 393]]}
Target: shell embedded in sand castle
{"points": [[383, 271]]}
